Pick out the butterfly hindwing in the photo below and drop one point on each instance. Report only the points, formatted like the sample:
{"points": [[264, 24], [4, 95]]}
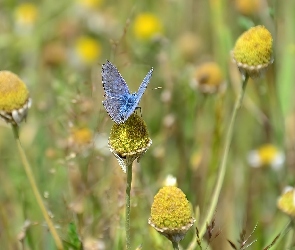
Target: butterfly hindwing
{"points": [[115, 107]]}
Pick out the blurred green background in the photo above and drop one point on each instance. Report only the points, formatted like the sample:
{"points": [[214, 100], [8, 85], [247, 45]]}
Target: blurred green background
{"points": [[57, 48]]}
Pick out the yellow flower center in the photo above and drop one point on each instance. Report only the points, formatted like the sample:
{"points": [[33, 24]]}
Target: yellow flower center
{"points": [[88, 49], [170, 208], [146, 25], [254, 47], [267, 154], [26, 13], [13, 92]]}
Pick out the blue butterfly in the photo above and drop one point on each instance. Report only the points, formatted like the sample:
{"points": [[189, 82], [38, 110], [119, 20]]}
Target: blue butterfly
{"points": [[119, 103]]}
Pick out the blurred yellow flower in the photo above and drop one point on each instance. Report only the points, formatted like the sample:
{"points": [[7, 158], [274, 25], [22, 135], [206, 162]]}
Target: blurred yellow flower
{"points": [[88, 49], [54, 53], [90, 4], [146, 26], [208, 78], [189, 45], [248, 7], [79, 141], [286, 202], [266, 155], [26, 14], [196, 160], [81, 136]]}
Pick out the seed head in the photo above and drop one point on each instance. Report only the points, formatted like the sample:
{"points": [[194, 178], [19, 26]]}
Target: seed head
{"points": [[14, 98], [129, 140], [171, 213], [253, 51]]}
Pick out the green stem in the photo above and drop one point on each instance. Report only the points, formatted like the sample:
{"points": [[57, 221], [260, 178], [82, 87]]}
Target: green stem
{"points": [[127, 217], [290, 236], [34, 187], [222, 168], [224, 158], [175, 245]]}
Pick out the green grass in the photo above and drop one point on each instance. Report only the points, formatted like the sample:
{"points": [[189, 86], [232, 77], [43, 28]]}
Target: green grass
{"points": [[85, 185]]}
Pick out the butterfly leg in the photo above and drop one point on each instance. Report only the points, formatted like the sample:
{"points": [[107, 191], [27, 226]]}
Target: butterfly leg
{"points": [[139, 111]]}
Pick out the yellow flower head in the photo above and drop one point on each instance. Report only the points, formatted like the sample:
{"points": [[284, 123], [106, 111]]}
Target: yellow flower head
{"points": [[81, 136], [189, 45], [266, 155], [208, 78], [54, 54], [146, 26], [26, 14], [171, 213], [248, 7], [90, 4], [88, 49], [14, 98], [130, 140], [286, 202], [253, 51]]}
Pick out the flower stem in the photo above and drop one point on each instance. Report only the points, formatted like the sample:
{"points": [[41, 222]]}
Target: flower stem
{"points": [[127, 216], [222, 168], [34, 187], [290, 236], [175, 245]]}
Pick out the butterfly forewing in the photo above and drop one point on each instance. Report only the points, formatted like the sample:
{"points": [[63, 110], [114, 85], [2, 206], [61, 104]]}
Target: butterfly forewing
{"points": [[140, 92], [113, 82], [144, 85]]}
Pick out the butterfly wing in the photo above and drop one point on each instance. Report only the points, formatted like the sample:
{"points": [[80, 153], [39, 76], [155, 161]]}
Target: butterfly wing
{"points": [[144, 84], [115, 106], [135, 97], [119, 103], [112, 81]]}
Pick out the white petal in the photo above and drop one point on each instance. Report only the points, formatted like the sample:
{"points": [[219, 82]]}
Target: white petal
{"points": [[254, 159], [16, 117], [278, 161], [29, 103]]}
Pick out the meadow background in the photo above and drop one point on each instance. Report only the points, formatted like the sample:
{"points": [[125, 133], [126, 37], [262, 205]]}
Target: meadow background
{"points": [[58, 47]]}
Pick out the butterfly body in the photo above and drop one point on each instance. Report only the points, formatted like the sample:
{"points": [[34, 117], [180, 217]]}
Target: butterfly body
{"points": [[119, 102]]}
